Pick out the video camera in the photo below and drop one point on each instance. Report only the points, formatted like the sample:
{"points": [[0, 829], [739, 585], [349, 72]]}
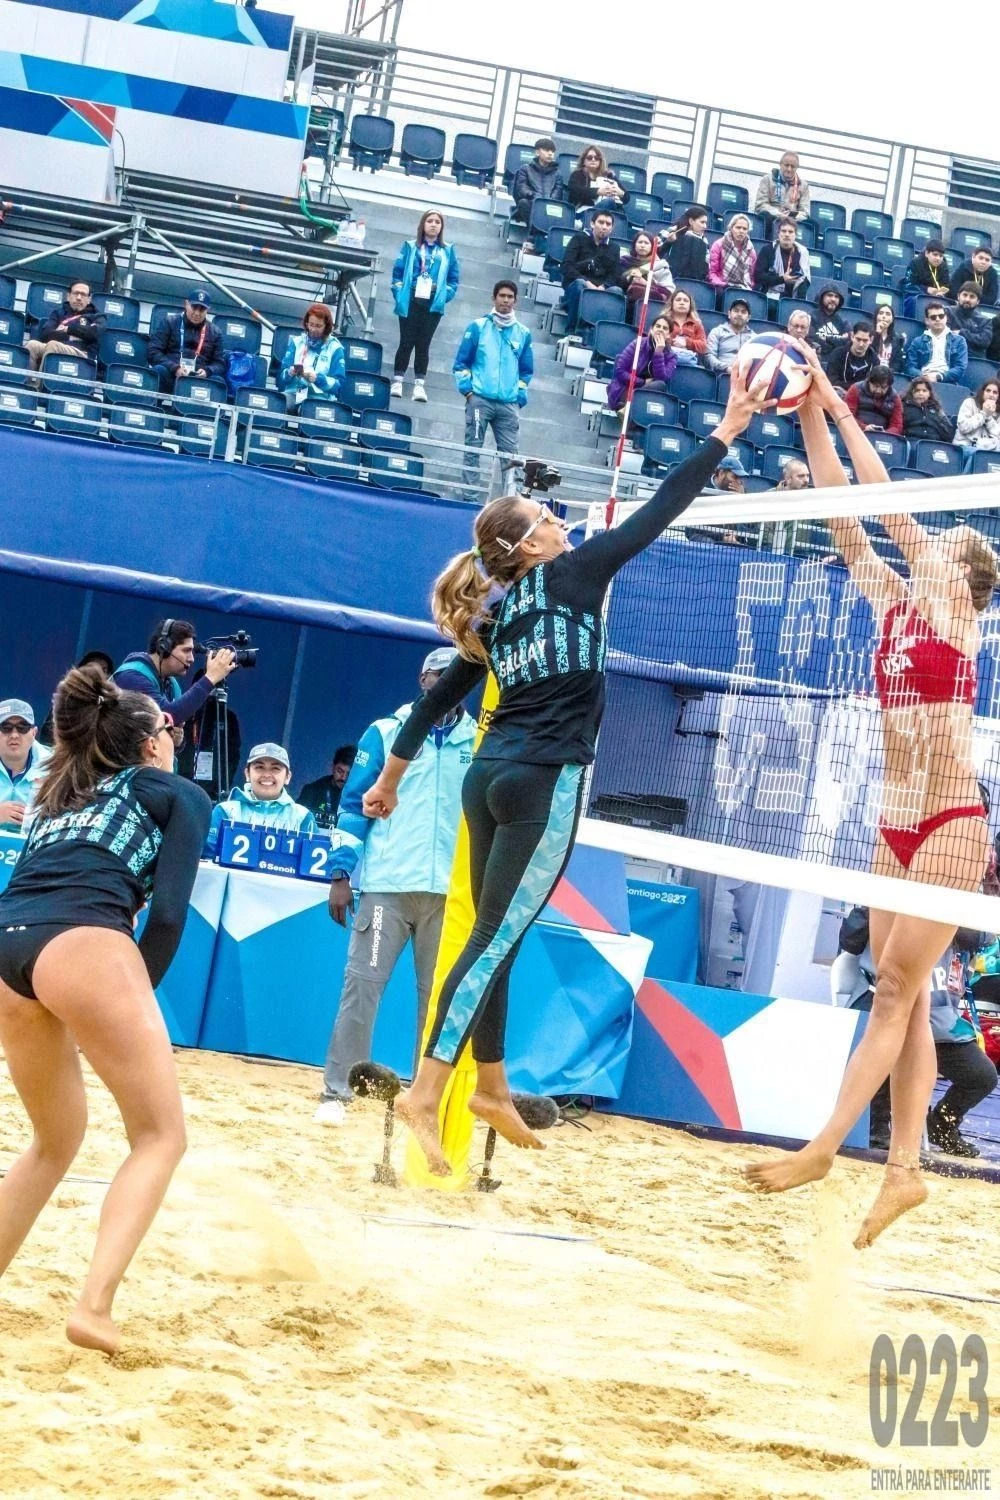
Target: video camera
{"points": [[538, 475], [240, 642]]}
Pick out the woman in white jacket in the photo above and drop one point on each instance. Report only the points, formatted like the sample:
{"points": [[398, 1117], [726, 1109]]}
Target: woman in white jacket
{"points": [[978, 425]]}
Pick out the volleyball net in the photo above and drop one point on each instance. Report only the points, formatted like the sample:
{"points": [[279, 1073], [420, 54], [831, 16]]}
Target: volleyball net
{"points": [[743, 735]]}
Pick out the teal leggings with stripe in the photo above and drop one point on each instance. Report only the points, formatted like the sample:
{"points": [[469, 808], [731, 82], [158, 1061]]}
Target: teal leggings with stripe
{"points": [[522, 821]]}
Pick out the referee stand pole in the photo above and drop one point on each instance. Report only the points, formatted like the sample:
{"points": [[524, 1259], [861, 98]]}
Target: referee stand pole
{"points": [[630, 389]]}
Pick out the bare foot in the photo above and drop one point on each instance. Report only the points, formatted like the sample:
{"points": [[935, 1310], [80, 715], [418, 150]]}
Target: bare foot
{"points": [[89, 1330], [808, 1165], [498, 1110], [902, 1188], [422, 1120]]}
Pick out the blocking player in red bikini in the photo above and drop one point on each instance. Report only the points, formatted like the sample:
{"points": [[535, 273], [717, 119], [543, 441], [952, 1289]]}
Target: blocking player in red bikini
{"points": [[933, 824]]}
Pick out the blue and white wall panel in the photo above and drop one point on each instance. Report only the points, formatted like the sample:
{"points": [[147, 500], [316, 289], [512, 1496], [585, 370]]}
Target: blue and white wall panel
{"points": [[56, 145]]}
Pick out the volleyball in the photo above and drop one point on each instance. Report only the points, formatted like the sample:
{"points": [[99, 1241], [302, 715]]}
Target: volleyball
{"points": [[771, 364]]}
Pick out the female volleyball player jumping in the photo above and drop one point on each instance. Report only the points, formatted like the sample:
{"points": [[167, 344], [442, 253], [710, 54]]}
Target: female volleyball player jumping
{"points": [[545, 643], [113, 827], [933, 825]]}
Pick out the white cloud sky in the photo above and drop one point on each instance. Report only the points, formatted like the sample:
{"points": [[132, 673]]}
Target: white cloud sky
{"points": [[819, 64]]}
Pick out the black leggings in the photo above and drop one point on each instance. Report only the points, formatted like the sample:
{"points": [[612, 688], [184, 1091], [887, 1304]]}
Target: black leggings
{"points": [[415, 333], [522, 821]]}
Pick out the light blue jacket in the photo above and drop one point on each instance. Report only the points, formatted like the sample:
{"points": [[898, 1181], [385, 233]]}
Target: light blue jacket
{"points": [[241, 806], [442, 264], [495, 363], [413, 850], [918, 352], [21, 788], [325, 357]]}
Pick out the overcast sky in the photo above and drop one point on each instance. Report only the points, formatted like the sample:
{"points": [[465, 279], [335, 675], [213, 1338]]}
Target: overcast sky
{"points": [[817, 63]]}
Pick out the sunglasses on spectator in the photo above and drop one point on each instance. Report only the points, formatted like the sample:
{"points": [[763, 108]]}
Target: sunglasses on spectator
{"points": [[936, 317], [15, 726]]}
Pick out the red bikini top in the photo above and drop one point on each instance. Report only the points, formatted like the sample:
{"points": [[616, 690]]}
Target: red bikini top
{"points": [[912, 664]]}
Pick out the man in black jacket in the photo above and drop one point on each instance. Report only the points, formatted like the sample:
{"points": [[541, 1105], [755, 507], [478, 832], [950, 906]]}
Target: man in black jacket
{"points": [[187, 344], [980, 270], [853, 362], [539, 178], [75, 329], [968, 319], [591, 262]]}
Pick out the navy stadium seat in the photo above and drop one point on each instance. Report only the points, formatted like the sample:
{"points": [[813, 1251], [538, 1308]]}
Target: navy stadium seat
{"points": [[632, 178], [951, 395], [978, 370], [363, 392], [909, 327], [421, 150], [362, 356], [239, 332], [516, 156], [727, 198], [136, 425], [756, 484], [371, 141], [982, 463], [710, 320], [474, 160], [756, 301], [896, 475], [701, 294], [600, 307], [121, 346], [43, 298], [326, 420], [828, 215], [806, 233], [788, 305], [129, 384], [330, 459], [194, 392], [936, 458], [651, 408], [692, 383], [11, 326], [73, 416], [270, 450], [395, 471], [279, 343], [14, 365], [776, 456], [8, 291], [858, 273], [548, 214], [920, 231], [768, 429], [891, 450], [894, 254], [120, 312], [965, 239], [743, 450], [556, 247], [609, 339], [265, 408], [159, 313], [19, 407], [665, 446], [870, 223], [671, 185], [202, 435], [841, 242], [619, 223], [874, 297], [821, 266], [66, 374], [388, 431], [643, 208], [702, 417], [566, 162]]}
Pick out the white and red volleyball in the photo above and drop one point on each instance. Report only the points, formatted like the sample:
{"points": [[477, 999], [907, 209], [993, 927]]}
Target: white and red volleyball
{"points": [[772, 365]]}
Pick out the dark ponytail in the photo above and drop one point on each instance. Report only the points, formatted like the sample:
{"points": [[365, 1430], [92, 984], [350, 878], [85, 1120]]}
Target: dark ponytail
{"points": [[99, 729]]}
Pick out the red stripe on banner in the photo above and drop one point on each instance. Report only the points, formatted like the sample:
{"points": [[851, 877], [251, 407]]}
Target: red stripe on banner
{"points": [[572, 904], [100, 116], [696, 1047]]}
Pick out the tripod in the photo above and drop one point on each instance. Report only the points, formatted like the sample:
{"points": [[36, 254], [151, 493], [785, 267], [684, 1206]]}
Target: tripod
{"points": [[219, 781]]}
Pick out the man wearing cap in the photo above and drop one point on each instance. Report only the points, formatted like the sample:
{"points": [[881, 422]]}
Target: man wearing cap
{"points": [[22, 762], [730, 476], [186, 343], [263, 800], [402, 866], [726, 339]]}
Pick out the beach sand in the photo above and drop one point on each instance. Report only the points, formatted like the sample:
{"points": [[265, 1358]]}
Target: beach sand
{"points": [[620, 1320]]}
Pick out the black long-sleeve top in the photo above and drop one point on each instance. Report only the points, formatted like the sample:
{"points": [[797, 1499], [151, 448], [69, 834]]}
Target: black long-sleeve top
{"points": [[546, 639], [68, 871], [601, 264]]}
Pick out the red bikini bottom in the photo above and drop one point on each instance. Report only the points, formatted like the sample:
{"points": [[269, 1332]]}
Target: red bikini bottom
{"points": [[904, 842]]}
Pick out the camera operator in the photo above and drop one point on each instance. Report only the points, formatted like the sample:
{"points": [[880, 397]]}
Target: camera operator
{"points": [[170, 654]]}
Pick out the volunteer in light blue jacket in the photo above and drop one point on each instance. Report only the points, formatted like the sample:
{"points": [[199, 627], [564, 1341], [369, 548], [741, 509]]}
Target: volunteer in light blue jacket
{"points": [[493, 366], [424, 280], [313, 366], [22, 763], [402, 866], [263, 801]]}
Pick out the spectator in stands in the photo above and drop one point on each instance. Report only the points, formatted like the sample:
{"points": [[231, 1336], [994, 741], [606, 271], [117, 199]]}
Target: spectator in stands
{"points": [[980, 270], [782, 268], [852, 361], [186, 343], [799, 326], [926, 276], [493, 366], [22, 762], [831, 329], [732, 259], [538, 178], [593, 184], [424, 280], [937, 354], [977, 427], [686, 247], [313, 365], [405, 863], [171, 654], [322, 797], [74, 329], [656, 363], [888, 344], [968, 319], [794, 475], [923, 414], [726, 339], [875, 404], [729, 476], [782, 193], [263, 800], [640, 268], [591, 262], [688, 339]]}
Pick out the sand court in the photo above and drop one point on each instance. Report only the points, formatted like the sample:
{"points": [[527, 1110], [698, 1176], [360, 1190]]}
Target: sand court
{"points": [[622, 1319]]}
